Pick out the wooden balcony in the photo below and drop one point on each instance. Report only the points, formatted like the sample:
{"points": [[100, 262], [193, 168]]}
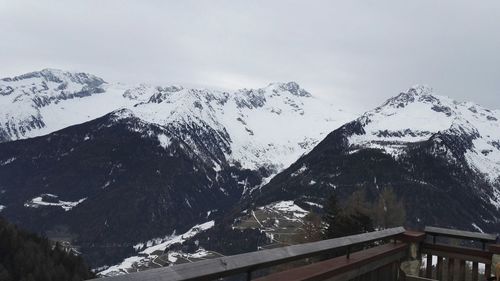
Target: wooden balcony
{"points": [[386, 255]]}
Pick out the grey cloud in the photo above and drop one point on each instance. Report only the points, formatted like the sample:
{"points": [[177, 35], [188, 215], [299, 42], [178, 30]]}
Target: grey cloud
{"points": [[355, 52]]}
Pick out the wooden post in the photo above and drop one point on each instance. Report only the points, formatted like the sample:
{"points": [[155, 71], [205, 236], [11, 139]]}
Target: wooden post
{"points": [[451, 262], [439, 269], [428, 269], [494, 249], [487, 271], [475, 271], [374, 275], [412, 263], [461, 270]]}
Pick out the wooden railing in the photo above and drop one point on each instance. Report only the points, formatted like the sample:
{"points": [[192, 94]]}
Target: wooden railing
{"points": [[377, 263], [250, 262], [453, 259], [386, 258]]}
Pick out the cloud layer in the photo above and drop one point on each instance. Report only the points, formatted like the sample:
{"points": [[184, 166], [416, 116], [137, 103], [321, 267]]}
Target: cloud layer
{"points": [[356, 52]]}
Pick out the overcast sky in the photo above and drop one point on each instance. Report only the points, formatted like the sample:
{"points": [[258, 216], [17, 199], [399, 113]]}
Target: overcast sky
{"points": [[352, 51]]}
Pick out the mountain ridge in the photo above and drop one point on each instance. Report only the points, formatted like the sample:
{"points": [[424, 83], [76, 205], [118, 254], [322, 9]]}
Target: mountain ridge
{"points": [[415, 143], [242, 130]]}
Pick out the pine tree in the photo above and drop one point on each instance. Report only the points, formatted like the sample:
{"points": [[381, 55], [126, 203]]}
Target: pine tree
{"points": [[388, 210], [331, 212], [347, 221], [25, 256]]}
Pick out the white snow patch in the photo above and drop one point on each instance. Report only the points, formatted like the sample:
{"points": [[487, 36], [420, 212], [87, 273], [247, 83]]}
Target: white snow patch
{"points": [[121, 268], [477, 227], [495, 200], [187, 202], [66, 205], [314, 204], [173, 239], [164, 140], [287, 207], [300, 171], [159, 245], [8, 161]]}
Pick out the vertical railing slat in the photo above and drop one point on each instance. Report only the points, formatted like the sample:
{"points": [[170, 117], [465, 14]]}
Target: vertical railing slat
{"points": [[487, 271], [451, 262], [439, 268], [475, 271], [461, 270], [428, 269]]}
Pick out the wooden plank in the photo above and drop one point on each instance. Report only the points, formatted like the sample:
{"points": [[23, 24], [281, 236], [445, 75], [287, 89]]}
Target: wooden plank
{"points": [[475, 271], [462, 253], [341, 268], [439, 268], [374, 275], [461, 270], [487, 271], [226, 266], [495, 249], [460, 234], [417, 278], [428, 269], [451, 262], [412, 236]]}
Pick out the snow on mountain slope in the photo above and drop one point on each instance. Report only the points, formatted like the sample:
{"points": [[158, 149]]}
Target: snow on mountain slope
{"points": [[418, 114], [25, 98], [152, 249], [271, 126], [440, 157], [267, 127]]}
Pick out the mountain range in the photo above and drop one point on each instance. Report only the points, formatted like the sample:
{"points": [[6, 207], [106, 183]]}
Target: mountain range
{"points": [[107, 166], [121, 170], [442, 157]]}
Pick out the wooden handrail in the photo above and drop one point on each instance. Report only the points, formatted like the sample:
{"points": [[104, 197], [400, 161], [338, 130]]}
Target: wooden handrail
{"points": [[456, 255], [456, 252], [248, 262], [438, 231], [341, 268]]}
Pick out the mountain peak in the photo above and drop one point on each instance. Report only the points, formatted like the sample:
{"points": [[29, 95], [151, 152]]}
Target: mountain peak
{"points": [[417, 93], [59, 76], [291, 87], [421, 90]]}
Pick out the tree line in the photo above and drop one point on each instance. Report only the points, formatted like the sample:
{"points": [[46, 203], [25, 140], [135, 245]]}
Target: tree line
{"points": [[356, 215], [25, 256]]}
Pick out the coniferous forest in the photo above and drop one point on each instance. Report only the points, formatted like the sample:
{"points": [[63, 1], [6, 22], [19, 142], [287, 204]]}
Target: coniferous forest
{"points": [[25, 256]]}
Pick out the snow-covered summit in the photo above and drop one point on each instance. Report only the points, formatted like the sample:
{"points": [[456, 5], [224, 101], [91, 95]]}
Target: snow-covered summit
{"points": [[22, 98], [57, 76], [418, 114], [264, 127]]}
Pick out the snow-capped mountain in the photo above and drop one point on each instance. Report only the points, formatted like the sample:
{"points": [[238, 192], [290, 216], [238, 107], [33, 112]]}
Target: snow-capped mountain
{"points": [[266, 127], [31, 103], [108, 166], [115, 181], [418, 114], [442, 157]]}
